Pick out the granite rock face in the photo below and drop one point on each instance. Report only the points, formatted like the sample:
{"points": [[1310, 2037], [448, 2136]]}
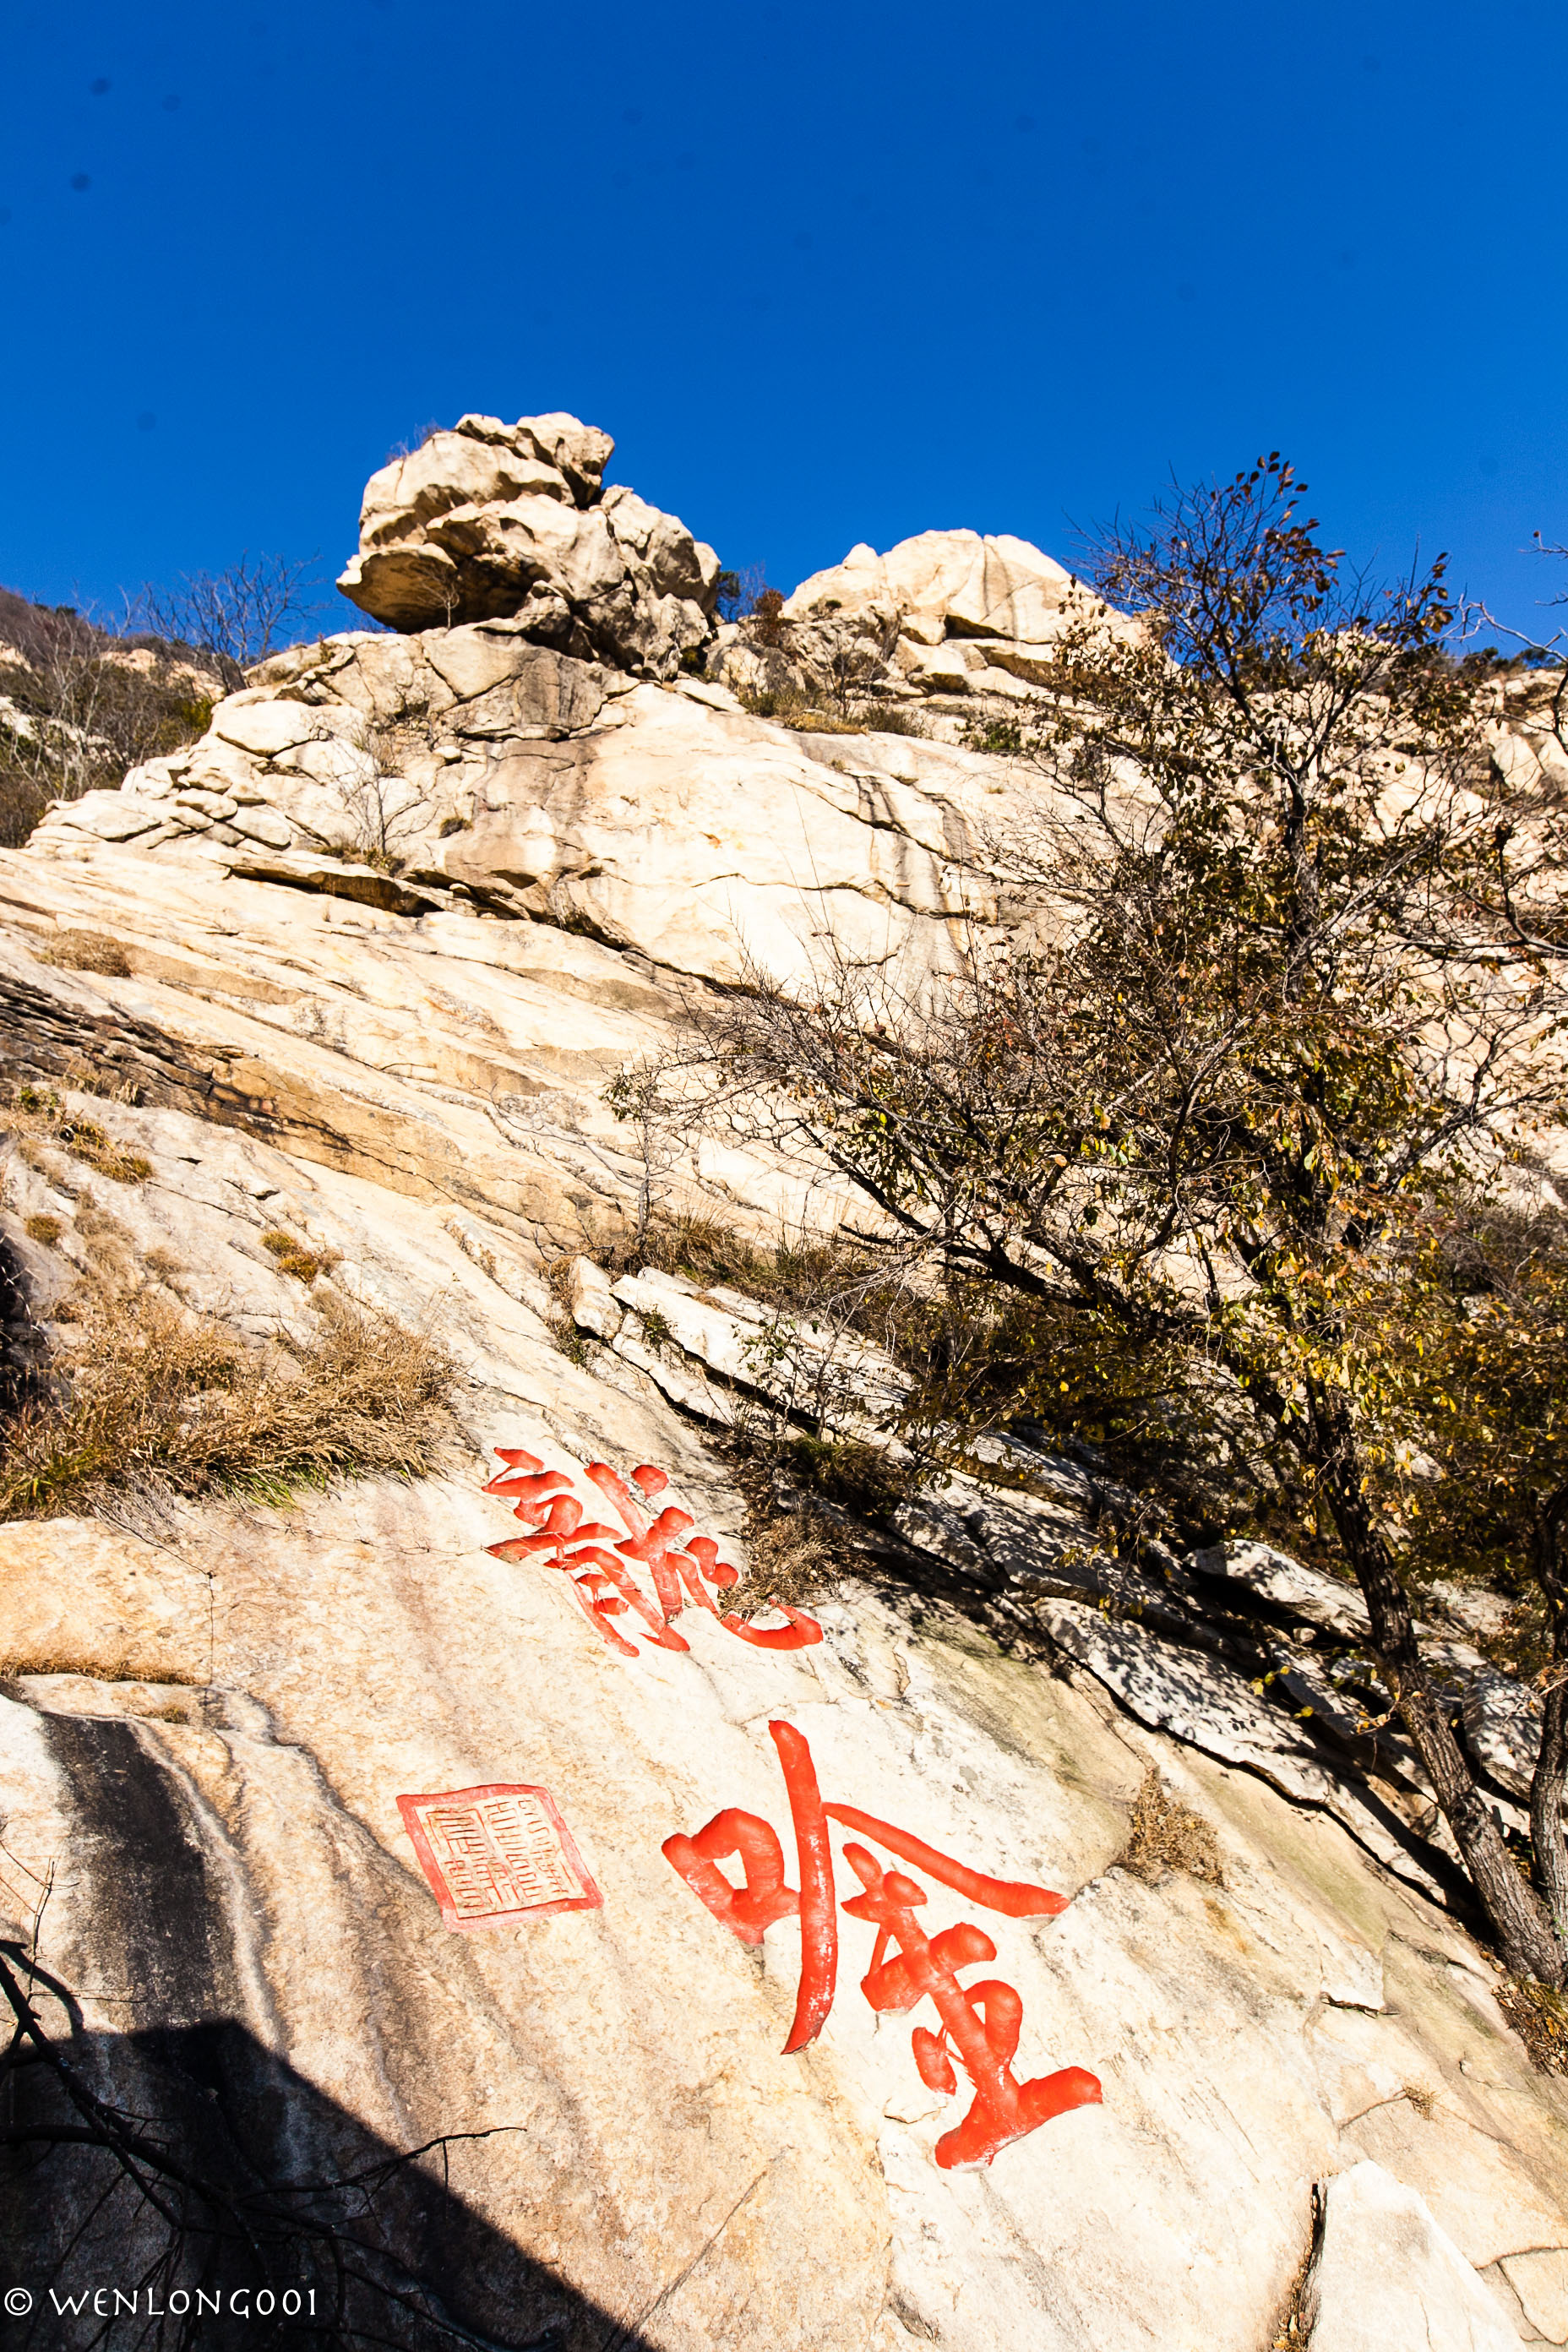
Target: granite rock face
{"points": [[471, 767], [947, 614], [1385, 2273], [383, 939], [206, 1725], [494, 522]]}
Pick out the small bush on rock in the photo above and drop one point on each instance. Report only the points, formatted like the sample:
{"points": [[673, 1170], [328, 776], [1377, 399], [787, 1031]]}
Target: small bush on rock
{"points": [[860, 1477], [1002, 737], [294, 1258], [39, 1115], [1165, 1834], [87, 952], [150, 1398]]}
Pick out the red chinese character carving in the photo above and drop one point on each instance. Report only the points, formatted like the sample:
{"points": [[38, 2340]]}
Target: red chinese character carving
{"points": [[979, 2023], [680, 1565]]}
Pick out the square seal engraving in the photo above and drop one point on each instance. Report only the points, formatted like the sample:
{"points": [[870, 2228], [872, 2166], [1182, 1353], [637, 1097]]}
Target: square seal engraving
{"points": [[497, 1854]]}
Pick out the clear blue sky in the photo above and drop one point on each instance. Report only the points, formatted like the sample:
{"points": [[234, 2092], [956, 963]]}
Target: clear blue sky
{"points": [[827, 272]]}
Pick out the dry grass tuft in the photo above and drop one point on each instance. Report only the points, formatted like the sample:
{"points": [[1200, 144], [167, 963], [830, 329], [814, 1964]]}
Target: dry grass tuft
{"points": [[1165, 1834], [38, 1115], [109, 1083], [795, 1554], [42, 1228], [795, 1271], [294, 1258], [563, 1329], [87, 1141], [1540, 2018], [87, 952], [151, 1397], [794, 1560], [808, 714]]}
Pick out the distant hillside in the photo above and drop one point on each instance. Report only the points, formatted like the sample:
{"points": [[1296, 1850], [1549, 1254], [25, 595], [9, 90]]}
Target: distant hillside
{"points": [[80, 704]]}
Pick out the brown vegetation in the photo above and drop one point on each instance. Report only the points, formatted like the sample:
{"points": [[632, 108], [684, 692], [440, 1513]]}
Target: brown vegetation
{"points": [[293, 1257], [1190, 1164], [39, 1115], [793, 1553], [1166, 1834], [147, 1396], [87, 952], [808, 714], [80, 704], [1538, 2015]]}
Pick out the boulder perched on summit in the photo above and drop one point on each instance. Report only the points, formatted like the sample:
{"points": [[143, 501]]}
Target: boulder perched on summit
{"points": [[946, 583], [949, 614], [963, 614], [496, 521]]}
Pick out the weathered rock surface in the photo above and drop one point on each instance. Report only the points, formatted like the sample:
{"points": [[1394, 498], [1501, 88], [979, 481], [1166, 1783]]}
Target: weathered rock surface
{"points": [[946, 614], [82, 1598], [946, 584], [472, 769], [296, 1670], [513, 521], [1385, 2274], [386, 933]]}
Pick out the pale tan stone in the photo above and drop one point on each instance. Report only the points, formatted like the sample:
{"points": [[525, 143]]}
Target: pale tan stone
{"points": [[78, 1596], [1387, 2275], [1541, 2282]]}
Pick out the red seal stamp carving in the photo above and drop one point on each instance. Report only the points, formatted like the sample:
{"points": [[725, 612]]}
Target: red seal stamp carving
{"points": [[497, 1854]]}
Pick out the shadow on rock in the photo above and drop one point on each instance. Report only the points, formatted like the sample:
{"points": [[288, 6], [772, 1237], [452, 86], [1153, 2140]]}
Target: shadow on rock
{"points": [[230, 2203]]}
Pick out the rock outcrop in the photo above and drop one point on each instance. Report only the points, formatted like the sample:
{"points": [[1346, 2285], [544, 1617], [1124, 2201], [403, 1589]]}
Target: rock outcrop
{"points": [[947, 614], [416, 1099], [472, 769], [494, 522], [340, 990]]}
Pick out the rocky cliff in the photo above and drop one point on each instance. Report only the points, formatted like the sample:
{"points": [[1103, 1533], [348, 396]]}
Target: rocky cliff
{"points": [[721, 1945]]}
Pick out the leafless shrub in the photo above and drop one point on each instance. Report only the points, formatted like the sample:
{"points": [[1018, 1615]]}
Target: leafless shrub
{"points": [[737, 592], [234, 618], [81, 701], [183, 2185], [1165, 1834]]}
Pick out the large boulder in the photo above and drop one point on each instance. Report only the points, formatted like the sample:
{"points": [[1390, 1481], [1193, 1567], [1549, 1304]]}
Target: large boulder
{"points": [[946, 583], [947, 614], [494, 522]]}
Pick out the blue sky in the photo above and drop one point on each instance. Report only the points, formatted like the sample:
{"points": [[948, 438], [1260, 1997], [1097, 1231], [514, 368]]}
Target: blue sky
{"points": [[827, 272]]}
